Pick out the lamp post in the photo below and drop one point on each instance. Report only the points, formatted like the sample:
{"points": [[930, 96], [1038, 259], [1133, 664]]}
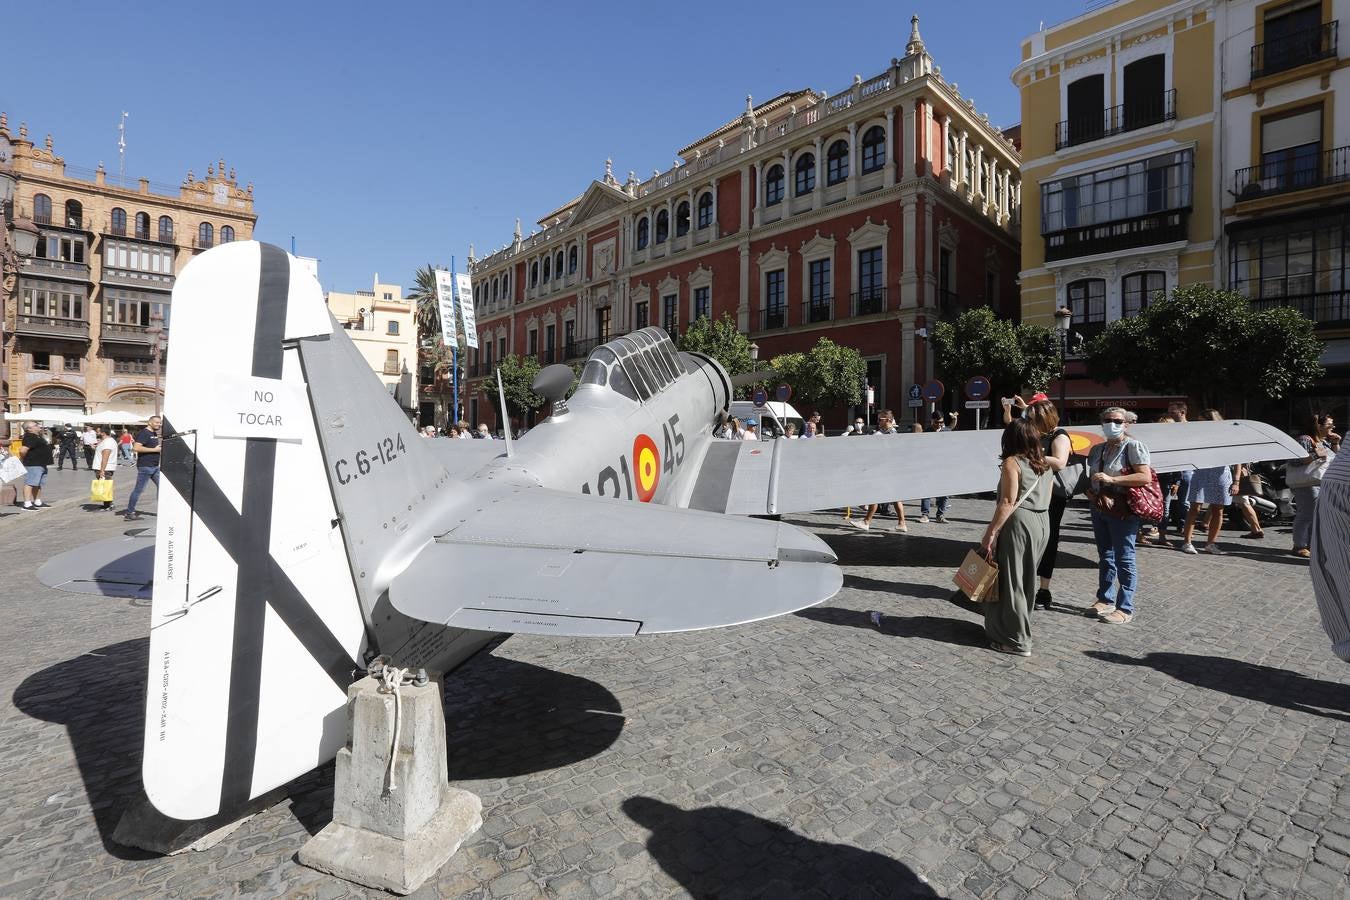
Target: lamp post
{"points": [[12, 254], [1063, 321], [156, 332], [754, 354]]}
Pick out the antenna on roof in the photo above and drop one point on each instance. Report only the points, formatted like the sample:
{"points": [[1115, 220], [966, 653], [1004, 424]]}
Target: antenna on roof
{"points": [[122, 148]]}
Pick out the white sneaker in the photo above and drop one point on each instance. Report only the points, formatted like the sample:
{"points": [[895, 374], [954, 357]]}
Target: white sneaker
{"points": [[38, 504], [923, 518], [1214, 548], [1188, 547], [859, 523], [27, 504]]}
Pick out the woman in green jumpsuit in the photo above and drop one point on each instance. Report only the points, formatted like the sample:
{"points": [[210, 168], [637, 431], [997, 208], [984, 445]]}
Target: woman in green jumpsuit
{"points": [[1017, 536]]}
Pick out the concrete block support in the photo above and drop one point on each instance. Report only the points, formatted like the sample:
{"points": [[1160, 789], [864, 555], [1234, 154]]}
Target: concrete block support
{"points": [[393, 839]]}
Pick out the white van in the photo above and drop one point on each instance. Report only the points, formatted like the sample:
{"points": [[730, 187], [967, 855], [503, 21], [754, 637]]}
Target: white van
{"points": [[774, 417]]}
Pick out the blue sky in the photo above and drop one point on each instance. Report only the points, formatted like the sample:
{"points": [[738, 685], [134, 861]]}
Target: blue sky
{"points": [[386, 136]]}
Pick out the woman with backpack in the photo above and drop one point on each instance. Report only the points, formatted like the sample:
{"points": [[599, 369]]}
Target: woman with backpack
{"points": [[1305, 477], [1114, 467]]}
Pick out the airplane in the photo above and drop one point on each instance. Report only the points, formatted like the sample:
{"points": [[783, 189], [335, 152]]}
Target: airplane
{"points": [[304, 526]]}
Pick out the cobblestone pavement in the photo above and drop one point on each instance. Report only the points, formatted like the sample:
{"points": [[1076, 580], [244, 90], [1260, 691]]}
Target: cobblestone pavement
{"points": [[66, 487], [1200, 751]]}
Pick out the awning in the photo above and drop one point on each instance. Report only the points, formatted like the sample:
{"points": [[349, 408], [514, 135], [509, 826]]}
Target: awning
{"points": [[48, 415], [118, 417]]}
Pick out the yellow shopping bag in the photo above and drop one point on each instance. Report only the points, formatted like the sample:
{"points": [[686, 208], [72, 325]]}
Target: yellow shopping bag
{"points": [[101, 491]]}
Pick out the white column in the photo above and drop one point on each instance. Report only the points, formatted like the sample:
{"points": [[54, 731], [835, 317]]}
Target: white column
{"points": [[948, 169], [789, 183], [745, 197], [962, 167], [758, 215], [891, 162], [818, 195], [978, 175], [907, 144], [992, 200], [854, 157]]}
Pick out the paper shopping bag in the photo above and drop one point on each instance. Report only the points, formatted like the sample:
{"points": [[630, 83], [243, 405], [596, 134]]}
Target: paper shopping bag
{"points": [[977, 578]]}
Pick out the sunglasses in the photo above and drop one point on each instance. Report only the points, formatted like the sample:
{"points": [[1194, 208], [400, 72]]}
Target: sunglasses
{"points": [[1115, 421]]}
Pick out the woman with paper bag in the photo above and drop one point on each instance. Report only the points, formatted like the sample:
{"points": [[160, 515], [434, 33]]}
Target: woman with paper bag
{"points": [[105, 458], [1016, 537]]}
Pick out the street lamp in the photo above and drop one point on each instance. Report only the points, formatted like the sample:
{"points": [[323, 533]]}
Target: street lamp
{"points": [[754, 354], [13, 251], [156, 332], [1063, 321]]}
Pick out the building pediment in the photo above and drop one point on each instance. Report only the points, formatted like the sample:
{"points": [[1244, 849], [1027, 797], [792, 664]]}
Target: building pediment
{"points": [[599, 199]]}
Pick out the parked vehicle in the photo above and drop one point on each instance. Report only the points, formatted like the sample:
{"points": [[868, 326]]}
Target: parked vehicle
{"points": [[774, 417]]}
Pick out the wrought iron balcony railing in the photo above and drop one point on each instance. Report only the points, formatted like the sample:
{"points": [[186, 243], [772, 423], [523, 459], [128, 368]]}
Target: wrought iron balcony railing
{"points": [[1326, 308], [1293, 50], [1122, 234], [868, 301], [1292, 170], [773, 317], [1134, 114], [818, 309]]}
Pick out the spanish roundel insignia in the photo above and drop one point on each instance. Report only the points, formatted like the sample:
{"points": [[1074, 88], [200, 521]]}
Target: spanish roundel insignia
{"points": [[647, 463], [1081, 442]]}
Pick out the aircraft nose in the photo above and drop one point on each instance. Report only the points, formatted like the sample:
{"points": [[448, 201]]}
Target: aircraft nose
{"points": [[796, 545]]}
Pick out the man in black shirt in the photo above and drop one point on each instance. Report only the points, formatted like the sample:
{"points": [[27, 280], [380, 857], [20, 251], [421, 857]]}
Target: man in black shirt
{"points": [[37, 456], [146, 445]]}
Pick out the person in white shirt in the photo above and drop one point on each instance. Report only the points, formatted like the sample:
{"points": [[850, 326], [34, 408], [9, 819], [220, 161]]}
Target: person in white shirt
{"points": [[105, 455], [89, 438]]}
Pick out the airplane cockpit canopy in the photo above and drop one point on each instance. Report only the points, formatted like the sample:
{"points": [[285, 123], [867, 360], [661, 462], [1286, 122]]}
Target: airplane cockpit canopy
{"points": [[638, 366]]}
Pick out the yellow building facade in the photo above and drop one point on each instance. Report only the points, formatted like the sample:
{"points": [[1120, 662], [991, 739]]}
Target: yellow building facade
{"points": [[382, 324]]}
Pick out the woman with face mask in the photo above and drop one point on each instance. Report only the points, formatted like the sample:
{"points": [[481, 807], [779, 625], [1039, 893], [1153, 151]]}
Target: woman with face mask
{"points": [[1113, 468]]}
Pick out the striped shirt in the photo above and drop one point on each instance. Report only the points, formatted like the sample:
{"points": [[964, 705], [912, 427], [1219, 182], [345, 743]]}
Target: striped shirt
{"points": [[1331, 555]]}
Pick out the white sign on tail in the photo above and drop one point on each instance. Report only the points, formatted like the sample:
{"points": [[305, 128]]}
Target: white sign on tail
{"points": [[445, 298], [465, 290], [248, 407]]}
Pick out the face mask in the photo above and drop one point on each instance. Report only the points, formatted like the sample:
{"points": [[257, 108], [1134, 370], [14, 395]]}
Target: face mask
{"points": [[1113, 430]]}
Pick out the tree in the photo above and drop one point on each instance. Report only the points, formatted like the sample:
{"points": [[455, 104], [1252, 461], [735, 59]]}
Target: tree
{"points": [[828, 375], [979, 343], [722, 341], [1210, 345], [518, 373]]}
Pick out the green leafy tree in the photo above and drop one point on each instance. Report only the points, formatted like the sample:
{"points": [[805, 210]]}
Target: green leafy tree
{"points": [[721, 340], [1011, 356], [518, 373], [1210, 345], [828, 375]]}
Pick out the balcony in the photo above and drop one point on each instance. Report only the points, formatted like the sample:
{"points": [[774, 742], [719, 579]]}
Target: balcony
{"points": [[42, 267], [111, 229], [1308, 45], [1117, 120], [1328, 308], [51, 326], [137, 367], [868, 302], [479, 370], [580, 349], [773, 317], [819, 309], [1292, 170], [200, 243], [64, 223], [1122, 234], [133, 335]]}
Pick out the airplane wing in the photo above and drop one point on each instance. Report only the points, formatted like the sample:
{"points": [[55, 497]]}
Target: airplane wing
{"points": [[539, 561], [115, 567], [786, 476]]}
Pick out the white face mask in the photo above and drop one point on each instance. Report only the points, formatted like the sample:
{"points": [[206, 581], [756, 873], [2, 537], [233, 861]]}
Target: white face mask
{"points": [[1113, 430]]}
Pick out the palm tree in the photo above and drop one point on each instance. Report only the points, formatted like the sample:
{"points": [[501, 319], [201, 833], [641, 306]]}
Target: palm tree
{"points": [[427, 314]]}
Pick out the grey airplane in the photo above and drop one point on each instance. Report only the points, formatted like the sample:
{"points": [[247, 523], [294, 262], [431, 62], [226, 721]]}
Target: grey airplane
{"points": [[304, 526]]}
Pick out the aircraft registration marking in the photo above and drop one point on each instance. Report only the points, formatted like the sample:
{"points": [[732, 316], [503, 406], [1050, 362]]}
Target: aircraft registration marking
{"points": [[651, 463], [387, 449]]}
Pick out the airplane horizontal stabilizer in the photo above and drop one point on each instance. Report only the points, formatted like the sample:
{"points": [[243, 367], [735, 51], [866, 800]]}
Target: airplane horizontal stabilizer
{"points": [[538, 561], [788, 476]]}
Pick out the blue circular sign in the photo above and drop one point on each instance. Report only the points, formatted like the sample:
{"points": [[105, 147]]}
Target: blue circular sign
{"points": [[933, 391], [915, 392], [784, 393], [977, 388], [760, 397]]}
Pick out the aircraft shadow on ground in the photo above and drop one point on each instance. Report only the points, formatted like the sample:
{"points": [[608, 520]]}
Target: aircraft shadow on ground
{"points": [[716, 852], [856, 548], [1265, 684], [961, 632], [503, 718]]}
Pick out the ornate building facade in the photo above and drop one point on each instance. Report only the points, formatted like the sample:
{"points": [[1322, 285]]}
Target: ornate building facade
{"points": [[860, 216], [80, 323]]}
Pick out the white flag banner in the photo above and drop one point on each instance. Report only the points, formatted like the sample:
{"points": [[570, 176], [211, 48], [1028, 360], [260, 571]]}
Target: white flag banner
{"points": [[465, 289], [445, 299]]}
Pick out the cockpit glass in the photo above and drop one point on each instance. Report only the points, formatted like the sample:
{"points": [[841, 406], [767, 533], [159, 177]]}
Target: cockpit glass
{"points": [[658, 363], [618, 381], [594, 373]]}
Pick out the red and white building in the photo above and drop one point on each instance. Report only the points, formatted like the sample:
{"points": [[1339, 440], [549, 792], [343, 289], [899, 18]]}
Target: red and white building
{"points": [[862, 216]]}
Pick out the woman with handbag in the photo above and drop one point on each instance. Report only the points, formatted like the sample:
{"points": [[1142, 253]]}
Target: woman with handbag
{"points": [[1016, 537], [1056, 447], [1114, 468], [1305, 477]]}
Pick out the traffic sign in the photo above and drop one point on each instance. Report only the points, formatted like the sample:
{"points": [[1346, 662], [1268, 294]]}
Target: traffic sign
{"points": [[977, 404], [977, 388], [760, 397], [916, 403], [933, 391], [784, 393], [915, 392]]}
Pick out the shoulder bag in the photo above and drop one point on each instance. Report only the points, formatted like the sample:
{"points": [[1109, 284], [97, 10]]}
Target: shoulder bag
{"points": [[1073, 478], [1301, 475]]}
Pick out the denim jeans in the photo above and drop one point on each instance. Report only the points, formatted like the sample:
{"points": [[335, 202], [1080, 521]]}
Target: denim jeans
{"points": [[144, 474], [1115, 545], [1305, 498], [943, 504], [1181, 502]]}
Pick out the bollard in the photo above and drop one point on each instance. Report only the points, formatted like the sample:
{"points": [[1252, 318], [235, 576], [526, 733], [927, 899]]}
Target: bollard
{"points": [[393, 839]]}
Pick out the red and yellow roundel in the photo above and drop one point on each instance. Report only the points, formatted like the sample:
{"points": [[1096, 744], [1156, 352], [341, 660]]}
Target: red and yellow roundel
{"points": [[647, 467], [1082, 441]]}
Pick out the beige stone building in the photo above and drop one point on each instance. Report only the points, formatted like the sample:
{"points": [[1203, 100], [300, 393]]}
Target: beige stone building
{"points": [[382, 325], [79, 323]]}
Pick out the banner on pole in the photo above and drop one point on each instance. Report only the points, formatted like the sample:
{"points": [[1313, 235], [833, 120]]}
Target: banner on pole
{"points": [[465, 289], [445, 299]]}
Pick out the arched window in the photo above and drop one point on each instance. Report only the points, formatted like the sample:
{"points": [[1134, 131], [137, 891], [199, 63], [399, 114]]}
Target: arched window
{"points": [[572, 260], [836, 162], [804, 174], [682, 219], [662, 226], [773, 185], [165, 229], [1087, 301], [205, 235], [705, 210], [558, 263], [547, 260], [873, 149], [74, 214], [117, 222], [226, 234], [1138, 289], [143, 226], [42, 209], [642, 230]]}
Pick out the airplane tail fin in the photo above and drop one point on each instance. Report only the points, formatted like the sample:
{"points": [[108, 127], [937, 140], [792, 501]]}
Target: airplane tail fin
{"points": [[266, 591]]}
